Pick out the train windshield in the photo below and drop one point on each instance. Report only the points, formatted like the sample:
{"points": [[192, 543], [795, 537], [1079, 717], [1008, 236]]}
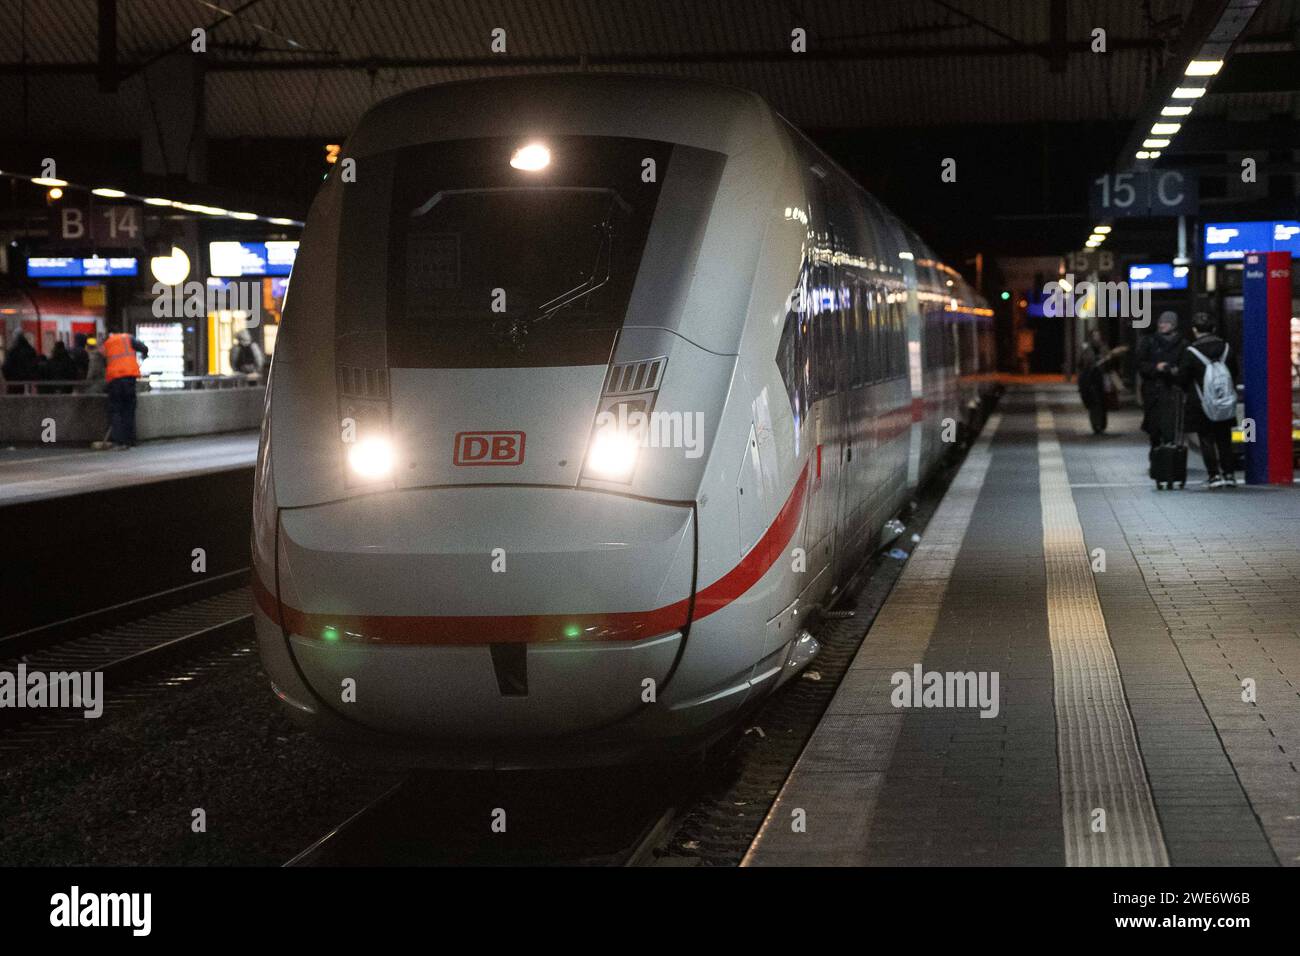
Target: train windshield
{"points": [[490, 265]]}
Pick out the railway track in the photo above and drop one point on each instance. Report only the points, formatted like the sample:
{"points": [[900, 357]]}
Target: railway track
{"points": [[138, 657], [553, 818]]}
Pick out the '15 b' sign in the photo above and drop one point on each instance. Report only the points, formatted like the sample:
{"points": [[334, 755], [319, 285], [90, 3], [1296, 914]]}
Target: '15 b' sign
{"points": [[1151, 192], [107, 226]]}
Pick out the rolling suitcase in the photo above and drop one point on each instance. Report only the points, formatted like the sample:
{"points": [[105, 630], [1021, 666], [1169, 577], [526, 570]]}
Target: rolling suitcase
{"points": [[1169, 458]]}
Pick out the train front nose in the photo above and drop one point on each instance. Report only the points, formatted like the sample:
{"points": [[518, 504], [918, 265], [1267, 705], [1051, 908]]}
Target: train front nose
{"points": [[482, 612]]}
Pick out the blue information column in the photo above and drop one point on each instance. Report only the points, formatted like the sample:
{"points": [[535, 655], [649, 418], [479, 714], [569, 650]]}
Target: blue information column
{"points": [[1266, 366]]}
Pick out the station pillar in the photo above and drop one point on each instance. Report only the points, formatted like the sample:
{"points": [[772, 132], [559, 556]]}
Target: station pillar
{"points": [[1266, 366]]}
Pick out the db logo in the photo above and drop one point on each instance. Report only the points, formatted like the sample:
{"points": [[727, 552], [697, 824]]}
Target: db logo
{"points": [[489, 448]]}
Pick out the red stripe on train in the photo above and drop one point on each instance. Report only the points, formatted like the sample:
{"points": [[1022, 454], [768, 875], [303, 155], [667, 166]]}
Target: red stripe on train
{"points": [[542, 628]]}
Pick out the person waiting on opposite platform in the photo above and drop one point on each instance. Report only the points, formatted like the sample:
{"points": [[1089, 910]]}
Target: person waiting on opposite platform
{"points": [[245, 357]]}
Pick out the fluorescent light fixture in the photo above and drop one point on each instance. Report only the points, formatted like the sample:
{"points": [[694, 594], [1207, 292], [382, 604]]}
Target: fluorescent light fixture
{"points": [[1155, 154], [1154, 143], [1165, 129], [1097, 239], [906, 255], [282, 222], [108, 193], [155, 201], [45, 181], [1189, 92], [531, 158], [1203, 67], [1142, 154], [243, 215], [1176, 111], [1101, 230]]}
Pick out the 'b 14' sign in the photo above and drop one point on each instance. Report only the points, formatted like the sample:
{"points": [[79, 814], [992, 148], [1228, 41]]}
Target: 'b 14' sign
{"points": [[1149, 192], [106, 226]]}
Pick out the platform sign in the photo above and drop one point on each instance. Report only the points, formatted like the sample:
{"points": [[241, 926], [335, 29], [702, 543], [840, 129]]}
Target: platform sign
{"points": [[1145, 193], [1083, 262], [73, 267], [235, 259], [115, 225], [1157, 275], [1266, 366], [1227, 241]]}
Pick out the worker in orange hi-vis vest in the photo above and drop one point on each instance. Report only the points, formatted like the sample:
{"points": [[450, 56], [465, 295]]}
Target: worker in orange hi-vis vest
{"points": [[121, 371]]}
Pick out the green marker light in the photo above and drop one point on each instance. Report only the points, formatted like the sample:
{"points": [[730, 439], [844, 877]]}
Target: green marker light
{"points": [[330, 633], [572, 630]]}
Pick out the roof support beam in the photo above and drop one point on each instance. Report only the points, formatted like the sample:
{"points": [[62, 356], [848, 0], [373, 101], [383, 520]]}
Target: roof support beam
{"points": [[902, 52], [106, 68]]}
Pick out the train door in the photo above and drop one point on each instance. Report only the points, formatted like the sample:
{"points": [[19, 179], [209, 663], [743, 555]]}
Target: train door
{"points": [[849, 443], [824, 446]]}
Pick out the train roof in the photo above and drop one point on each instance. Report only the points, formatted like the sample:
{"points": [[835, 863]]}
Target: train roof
{"points": [[691, 112]]}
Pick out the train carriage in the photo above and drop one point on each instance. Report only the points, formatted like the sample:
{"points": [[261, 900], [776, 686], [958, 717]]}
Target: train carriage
{"points": [[591, 393]]}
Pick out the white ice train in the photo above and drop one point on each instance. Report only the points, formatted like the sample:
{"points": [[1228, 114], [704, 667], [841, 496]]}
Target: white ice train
{"points": [[590, 393]]}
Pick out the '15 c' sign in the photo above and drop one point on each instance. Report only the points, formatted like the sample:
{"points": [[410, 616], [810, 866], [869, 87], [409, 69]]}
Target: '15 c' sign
{"points": [[1150, 192]]}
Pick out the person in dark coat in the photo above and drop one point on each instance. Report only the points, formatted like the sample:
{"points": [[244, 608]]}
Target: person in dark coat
{"points": [[61, 368], [21, 363], [1094, 362], [80, 357], [1215, 437], [1158, 357]]}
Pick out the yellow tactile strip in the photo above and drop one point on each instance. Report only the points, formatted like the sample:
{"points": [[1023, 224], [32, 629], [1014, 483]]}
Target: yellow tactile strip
{"points": [[1100, 764]]}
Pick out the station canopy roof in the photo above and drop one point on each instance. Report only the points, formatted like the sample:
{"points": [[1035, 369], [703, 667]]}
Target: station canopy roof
{"points": [[309, 68]]}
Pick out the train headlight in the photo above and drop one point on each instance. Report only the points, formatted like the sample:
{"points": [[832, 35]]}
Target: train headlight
{"points": [[612, 455], [371, 458], [531, 158]]}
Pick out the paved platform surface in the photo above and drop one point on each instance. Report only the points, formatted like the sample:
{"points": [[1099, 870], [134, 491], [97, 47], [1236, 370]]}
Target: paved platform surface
{"points": [[35, 473], [1147, 651]]}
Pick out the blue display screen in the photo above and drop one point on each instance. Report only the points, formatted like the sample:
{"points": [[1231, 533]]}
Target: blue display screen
{"points": [[235, 259], [1232, 240], [1157, 275], [68, 267]]}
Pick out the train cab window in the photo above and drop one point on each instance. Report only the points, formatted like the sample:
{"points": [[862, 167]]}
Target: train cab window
{"points": [[485, 265]]}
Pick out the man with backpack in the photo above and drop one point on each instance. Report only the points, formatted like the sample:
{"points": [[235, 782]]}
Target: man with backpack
{"points": [[1205, 372]]}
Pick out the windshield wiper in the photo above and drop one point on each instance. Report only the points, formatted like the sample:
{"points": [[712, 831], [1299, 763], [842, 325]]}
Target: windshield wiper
{"points": [[514, 332]]}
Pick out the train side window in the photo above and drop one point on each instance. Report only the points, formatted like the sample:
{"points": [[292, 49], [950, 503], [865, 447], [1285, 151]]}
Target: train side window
{"points": [[898, 350], [855, 346], [852, 311], [790, 360], [879, 318]]}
